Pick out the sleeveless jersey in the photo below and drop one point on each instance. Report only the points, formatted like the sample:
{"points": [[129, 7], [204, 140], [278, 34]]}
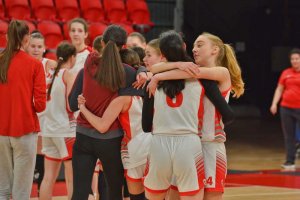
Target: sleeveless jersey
{"points": [[131, 119], [180, 115], [58, 121], [48, 77], [213, 127], [135, 143], [80, 60]]}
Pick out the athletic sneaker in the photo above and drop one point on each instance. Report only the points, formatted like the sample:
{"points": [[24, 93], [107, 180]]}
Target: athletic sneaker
{"points": [[288, 165]]}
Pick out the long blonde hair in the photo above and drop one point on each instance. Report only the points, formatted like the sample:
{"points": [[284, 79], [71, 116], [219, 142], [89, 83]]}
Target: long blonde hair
{"points": [[227, 58]]}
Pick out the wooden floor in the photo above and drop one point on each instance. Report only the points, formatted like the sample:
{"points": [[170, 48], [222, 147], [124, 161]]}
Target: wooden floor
{"points": [[255, 152], [261, 193], [256, 145]]}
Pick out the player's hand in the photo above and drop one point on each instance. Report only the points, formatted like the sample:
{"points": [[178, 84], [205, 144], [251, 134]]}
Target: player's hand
{"points": [[81, 101], [189, 67], [141, 80], [273, 109], [151, 88]]}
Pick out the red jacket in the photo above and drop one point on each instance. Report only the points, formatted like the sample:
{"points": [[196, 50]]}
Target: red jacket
{"points": [[22, 96]]}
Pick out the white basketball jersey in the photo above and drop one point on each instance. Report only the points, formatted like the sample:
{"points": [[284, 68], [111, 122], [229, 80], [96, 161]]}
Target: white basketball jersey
{"points": [[131, 120], [80, 60], [135, 144], [213, 127], [58, 121], [48, 77], [180, 115]]}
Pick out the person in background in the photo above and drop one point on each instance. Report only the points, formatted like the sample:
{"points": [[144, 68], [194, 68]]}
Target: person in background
{"points": [[103, 76], [58, 132], [288, 91], [78, 31], [136, 39], [152, 54], [141, 52], [22, 95], [172, 116], [130, 57], [97, 44], [36, 48], [217, 61]]}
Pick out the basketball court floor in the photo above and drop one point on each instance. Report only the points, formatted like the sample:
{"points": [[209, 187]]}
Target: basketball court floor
{"points": [[255, 152]]}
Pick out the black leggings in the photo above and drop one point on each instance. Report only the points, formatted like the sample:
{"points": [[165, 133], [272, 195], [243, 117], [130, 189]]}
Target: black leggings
{"points": [[86, 151]]}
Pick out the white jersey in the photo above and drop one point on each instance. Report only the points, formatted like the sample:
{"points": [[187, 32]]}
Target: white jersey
{"points": [[58, 121], [180, 115], [80, 60], [213, 127], [48, 76], [135, 143]]}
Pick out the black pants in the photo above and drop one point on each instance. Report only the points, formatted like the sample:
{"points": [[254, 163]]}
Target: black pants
{"points": [[86, 151], [289, 119]]}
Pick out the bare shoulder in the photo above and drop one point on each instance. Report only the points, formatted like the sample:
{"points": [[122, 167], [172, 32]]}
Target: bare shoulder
{"points": [[68, 76]]}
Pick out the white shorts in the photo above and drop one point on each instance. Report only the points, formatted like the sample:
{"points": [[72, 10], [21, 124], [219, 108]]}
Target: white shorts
{"points": [[178, 156], [135, 152], [135, 174], [57, 148], [215, 165]]}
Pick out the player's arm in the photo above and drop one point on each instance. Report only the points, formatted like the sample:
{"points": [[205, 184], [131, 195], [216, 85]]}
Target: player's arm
{"points": [[102, 124], [147, 114]]}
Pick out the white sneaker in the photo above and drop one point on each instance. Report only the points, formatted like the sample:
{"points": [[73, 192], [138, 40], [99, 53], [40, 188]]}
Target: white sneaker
{"points": [[288, 166]]}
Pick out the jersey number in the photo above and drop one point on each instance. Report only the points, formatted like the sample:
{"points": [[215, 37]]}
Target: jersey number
{"points": [[178, 101], [209, 181]]}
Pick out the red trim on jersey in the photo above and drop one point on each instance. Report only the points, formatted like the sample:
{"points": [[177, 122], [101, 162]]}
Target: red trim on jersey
{"points": [[90, 49], [69, 112], [156, 191], [69, 141], [125, 122], [174, 187], [136, 180], [224, 93], [53, 159], [189, 193], [201, 110]]}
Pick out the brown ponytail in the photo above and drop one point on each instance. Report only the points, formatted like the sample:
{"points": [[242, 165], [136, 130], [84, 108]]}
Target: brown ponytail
{"points": [[64, 51], [15, 34], [111, 74]]}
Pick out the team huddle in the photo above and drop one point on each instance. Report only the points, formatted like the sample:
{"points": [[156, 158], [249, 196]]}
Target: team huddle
{"points": [[149, 116]]}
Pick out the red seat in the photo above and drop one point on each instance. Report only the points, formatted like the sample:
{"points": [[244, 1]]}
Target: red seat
{"points": [[31, 26], [43, 9], [3, 31], [96, 29], [67, 9], [127, 26], [18, 9], [52, 33], [139, 15], [92, 10], [115, 11], [66, 31], [2, 10]]}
